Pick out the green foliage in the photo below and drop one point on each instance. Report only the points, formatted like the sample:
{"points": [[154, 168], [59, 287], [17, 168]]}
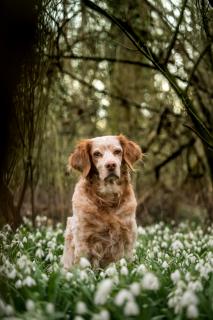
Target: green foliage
{"points": [[170, 277]]}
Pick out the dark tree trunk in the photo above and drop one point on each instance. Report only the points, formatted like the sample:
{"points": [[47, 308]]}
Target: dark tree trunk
{"points": [[18, 23]]}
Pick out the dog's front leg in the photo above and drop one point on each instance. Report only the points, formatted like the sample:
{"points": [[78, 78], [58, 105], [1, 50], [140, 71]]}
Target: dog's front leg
{"points": [[67, 259], [132, 236]]}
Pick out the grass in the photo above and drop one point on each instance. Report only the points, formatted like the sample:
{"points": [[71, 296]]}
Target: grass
{"points": [[170, 277]]}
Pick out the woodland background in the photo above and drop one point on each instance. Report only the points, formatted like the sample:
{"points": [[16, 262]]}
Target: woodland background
{"points": [[78, 69]]}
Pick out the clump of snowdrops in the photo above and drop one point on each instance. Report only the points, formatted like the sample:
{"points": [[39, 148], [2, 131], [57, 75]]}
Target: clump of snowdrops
{"points": [[169, 277]]}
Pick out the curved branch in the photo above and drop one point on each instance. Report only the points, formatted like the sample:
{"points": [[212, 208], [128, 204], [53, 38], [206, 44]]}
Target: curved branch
{"points": [[175, 34]]}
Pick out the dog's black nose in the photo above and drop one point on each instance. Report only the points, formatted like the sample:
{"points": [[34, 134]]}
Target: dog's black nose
{"points": [[110, 166]]}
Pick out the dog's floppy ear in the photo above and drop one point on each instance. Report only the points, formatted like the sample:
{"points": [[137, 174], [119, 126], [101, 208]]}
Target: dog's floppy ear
{"points": [[80, 158], [131, 151]]}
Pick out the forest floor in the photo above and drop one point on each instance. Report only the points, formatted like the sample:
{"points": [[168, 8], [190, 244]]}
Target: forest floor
{"points": [[170, 277]]}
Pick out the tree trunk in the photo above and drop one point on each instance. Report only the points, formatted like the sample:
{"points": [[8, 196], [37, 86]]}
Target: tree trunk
{"points": [[8, 211]]}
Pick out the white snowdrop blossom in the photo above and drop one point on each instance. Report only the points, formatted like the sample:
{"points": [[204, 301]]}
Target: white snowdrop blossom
{"points": [[175, 276], [165, 265], [124, 271], [141, 231], [30, 305], [81, 307], [83, 275], [29, 282], [49, 257], [141, 269], [150, 282], [18, 284], [8, 310], [123, 262], [24, 240], [50, 308], [68, 276], [195, 286], [84, 263], [103, 290], [122, 296], [78, 318], [192, 312], [111, 271], [131, 308], [189, 298], [102, 315], [12, 274], [177, 245], [135, 288], [39, 253]]}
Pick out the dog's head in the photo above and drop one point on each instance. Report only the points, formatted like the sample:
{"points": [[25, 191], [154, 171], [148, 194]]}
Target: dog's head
{"points": [[107, 154]]}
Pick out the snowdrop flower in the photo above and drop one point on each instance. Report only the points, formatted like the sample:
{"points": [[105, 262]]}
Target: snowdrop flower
{"points": [[164, 245], [44, 277], [22, 262], [187, 276], [51, 244], [30, 305], [192, 312], [39, 253], [131, 308], [141, 231], [124, 271], [12, 274], [195, 286], [29, 282], [38, 234], [165, 265], [150, 282], [175, 276], [8, 310], [111, 271], [210, 243], [103, 290], [205, 270], [189, 298], [24, 240], [135, 288], [18, 284], [123, 262], [83, 275], [84, 263], [141, 269], [81, 307], [50, 308], [68, 276], [78, 318], [49, 257], [177, 245], [102, 315], [122, 296]]}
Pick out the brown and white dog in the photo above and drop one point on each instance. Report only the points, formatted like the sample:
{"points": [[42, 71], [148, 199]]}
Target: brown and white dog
{"points": [[103, 226]]}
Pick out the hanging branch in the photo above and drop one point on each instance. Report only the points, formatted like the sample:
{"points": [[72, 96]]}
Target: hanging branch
{"points": [[175, 34]]}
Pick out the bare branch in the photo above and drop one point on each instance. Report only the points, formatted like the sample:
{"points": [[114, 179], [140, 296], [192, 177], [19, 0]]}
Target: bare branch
{"points": [[100, 59], [202, 54], [174, 155], [175, 34]]}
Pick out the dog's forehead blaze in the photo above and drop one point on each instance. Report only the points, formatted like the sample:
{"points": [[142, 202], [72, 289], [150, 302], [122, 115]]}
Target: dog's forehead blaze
{"points": [[105, 142]]}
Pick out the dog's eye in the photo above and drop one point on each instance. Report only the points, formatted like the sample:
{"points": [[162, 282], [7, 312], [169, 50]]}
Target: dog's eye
{"points": [[117, 151], [97, 154]]}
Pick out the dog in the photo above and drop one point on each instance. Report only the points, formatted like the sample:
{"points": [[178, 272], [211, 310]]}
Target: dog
{"points": [[103, 226]]}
